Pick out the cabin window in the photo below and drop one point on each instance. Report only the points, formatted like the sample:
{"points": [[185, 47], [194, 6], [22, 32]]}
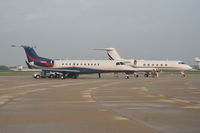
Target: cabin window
{"points": [[148, 64], [91, 64], [69, 64], [161, 64], [77, 64], [144, 64], [74, 64], [152, 64], [95, 64], [63, 64], [81, 64], [88, 64], [98, 64], [156, 64], [84, 64], [165, 64]]}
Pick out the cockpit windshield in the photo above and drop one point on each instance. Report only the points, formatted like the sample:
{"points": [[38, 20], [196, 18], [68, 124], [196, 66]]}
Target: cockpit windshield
{"points": [[181, 62], [120, 63]]}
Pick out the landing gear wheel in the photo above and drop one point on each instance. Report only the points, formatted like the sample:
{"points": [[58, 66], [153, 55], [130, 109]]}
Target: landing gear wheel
{"points": [[183, 74], [51, 76], [62, 77], [37, 77], [146, 75], [127, 77]]}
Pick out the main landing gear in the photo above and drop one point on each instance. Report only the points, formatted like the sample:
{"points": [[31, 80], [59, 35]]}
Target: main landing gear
{"points": [[127, 77], [183, 74], [73, 75], [55, 75], [153, 74], [99, 74]]}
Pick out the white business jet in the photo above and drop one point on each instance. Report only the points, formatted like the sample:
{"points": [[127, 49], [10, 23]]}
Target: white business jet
{"points": [[158, 65]]}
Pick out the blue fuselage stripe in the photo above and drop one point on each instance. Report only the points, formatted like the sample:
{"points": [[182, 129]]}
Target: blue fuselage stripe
{"points": [[89, 70]]}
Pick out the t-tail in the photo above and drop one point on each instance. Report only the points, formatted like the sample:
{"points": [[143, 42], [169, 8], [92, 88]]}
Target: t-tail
{"points": [[197, 60], [34, 60], [112, 54]]}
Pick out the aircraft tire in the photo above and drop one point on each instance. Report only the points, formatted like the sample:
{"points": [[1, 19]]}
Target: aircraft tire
{"points": [[127, 77], [37, 77], [137, 76], [51, 76], [62, 77], [74, 76]]}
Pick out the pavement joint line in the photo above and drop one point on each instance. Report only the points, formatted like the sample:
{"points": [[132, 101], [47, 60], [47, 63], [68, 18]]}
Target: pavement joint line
{"points": [[169, 100], [120, 118], [111, 101], [6, 98], [195, 106], [77, 83], [180, 100], [109, 84], [193, 88], [23, 86], [138, 108], [87, 93], [60, 102], [103, 110], [62, 85]]}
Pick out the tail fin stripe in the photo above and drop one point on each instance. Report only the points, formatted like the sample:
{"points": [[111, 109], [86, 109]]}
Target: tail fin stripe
{"points": [[110, 57], [32, 59]]}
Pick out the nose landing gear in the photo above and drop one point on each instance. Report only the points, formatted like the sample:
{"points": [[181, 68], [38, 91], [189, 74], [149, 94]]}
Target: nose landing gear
{"points": [[127, 76], [183, 74]]}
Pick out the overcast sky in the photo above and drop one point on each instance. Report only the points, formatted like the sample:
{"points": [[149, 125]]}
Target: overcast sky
{"points": [[71, 29]]}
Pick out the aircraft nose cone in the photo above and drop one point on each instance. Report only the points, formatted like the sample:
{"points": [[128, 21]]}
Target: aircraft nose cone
{"points": [[189, 68]]}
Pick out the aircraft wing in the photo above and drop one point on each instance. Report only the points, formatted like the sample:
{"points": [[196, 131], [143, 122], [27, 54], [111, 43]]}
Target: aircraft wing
{"points": [[62, 70], [126, 61], [145, 69]]}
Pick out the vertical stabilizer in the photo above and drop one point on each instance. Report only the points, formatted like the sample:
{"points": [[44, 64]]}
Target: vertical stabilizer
{"points": [[31, 54], [198, 62], [34, 58], [112, 54]]}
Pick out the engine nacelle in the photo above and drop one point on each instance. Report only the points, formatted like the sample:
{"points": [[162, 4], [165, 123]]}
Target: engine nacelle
{"points": [[133, 62]]}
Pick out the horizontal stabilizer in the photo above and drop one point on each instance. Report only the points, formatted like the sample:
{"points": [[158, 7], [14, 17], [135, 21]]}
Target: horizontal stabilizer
{"points": [[23, 46], [197, 59], [105, 49]]}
